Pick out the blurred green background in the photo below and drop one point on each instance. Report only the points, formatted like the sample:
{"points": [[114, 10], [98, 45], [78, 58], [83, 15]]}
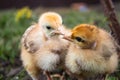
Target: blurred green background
{"points": [[14, 22]]}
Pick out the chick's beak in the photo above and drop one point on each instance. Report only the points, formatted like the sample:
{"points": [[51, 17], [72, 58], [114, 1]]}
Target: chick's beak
{"points": [[68, 38], [56, 32]]}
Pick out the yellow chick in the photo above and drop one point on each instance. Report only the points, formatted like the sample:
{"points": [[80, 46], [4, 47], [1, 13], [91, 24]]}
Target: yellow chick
{"points": [[51, 55], [36, 53], [40, 32], [91, 52]]}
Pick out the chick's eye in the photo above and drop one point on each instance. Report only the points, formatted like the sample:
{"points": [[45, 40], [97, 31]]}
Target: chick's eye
{"points": [[48, 27], [79, 39]]}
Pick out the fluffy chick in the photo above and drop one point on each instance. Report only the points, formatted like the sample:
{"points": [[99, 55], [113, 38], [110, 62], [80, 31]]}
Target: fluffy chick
{"points": [[38, 33], [92, 51], [51, 55], [33, 40]]}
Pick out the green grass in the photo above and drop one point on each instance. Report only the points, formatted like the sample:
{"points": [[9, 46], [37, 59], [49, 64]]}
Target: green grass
{"points": [[10, 34], [11, 31]]}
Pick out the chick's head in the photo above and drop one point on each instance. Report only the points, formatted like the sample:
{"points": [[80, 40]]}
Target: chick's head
{"points": [[85, 35], [50, 21]]}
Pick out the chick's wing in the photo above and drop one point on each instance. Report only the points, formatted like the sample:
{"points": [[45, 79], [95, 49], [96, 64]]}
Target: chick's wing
{"points": [[33, 38]]}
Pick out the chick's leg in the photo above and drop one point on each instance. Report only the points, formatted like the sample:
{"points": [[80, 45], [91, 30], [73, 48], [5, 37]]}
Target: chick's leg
{"points": [[105, 76], [48, 75], [63, 76], [34, 72]]}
